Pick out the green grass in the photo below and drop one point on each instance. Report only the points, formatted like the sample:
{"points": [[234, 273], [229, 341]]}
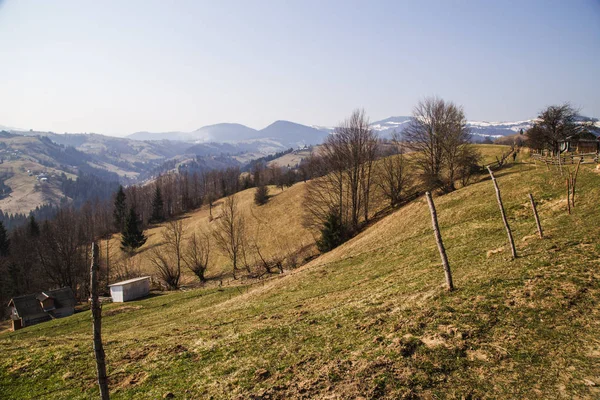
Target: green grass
{"points": [[370, 318]]}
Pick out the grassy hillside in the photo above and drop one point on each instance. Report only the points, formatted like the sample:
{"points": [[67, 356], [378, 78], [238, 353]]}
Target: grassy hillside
{"points": [[370, 319], [276, 227]]}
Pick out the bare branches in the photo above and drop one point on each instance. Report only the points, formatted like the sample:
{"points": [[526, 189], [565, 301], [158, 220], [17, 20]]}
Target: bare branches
{"points": [[346, 170], [197, 254], [393, 175], [167, 261], [436, 134], [230, 232]]}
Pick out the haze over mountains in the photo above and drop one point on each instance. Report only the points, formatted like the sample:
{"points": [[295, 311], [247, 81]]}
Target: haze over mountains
{"points": [[291, 134]]}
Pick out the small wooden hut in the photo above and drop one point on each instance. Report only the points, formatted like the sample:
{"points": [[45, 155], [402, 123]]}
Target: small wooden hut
{"points": [[34, 308], [582, 143]]}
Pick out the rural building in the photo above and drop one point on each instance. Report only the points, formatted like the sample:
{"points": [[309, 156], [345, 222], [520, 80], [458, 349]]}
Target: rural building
{"points": [[34, 308], [130, 289], [582, 143]]}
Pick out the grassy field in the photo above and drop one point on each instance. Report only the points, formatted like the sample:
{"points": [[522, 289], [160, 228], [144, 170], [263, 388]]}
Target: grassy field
{"points": [[370, 319]]}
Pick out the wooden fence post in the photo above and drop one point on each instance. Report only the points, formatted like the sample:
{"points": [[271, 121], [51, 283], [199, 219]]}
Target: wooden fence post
{"points": [[508, 231], [537, 218], [97, 324], [440, 243], [568, 196], [575, 182]]}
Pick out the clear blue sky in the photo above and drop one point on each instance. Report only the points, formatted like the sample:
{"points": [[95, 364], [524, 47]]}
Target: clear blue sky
{"points": [[117, 67]]}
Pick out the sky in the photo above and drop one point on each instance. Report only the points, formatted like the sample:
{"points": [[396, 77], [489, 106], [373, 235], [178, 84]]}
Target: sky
{"points": [[118, 67]]}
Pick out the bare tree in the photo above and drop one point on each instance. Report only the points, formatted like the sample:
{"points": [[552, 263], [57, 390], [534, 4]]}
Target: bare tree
{"points": [[168, 259], [197, 254], [554, 124], [230, 231], [436, 133], [346, 169], [393, 177]]}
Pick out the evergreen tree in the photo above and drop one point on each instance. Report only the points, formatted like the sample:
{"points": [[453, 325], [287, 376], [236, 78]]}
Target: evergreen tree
{"points": [[333, 233], [261, 196], [4, 241], [33, 228], [157, 206], [120, 210], [132, 236]]}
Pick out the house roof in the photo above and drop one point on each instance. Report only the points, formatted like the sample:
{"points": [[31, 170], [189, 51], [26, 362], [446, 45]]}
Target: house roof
{"points": [[29, 304], [583, 136], [129, 281]]}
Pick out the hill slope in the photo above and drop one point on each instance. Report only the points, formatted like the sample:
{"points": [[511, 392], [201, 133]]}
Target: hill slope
{"points": [[370, 319]]}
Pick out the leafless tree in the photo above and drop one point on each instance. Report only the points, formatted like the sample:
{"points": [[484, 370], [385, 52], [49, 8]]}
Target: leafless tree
{"points": [[197, 254], [436, 133], [346, 168], [554, 124], [469, 159], [167, 259], [230, 231], [393, 175]]}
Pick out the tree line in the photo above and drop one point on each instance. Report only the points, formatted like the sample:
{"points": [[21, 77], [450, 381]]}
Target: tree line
{"points": [[354, 165]]}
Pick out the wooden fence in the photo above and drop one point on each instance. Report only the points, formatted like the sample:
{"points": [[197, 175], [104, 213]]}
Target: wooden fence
{"points": [[565, 159]]}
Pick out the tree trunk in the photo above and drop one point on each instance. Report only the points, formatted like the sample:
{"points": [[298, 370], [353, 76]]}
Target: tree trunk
{"points": [[97, 325], [508, 231], [440, 243], [537, 218]]}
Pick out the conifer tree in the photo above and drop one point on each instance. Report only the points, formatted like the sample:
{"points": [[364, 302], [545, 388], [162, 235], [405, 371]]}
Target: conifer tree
{"points": [[157, 206], [261, 196], [4, 241], [33, 228], [333, 233], [132, 236], [120, 211]]}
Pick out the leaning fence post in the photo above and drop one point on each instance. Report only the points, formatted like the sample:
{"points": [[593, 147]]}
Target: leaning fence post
{"points": [[574, 180], [97, 324], [568, 196], [537, 218], [508, 231], [440, 244]]}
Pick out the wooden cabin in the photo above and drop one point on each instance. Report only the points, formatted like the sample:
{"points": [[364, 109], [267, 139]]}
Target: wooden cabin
{"points": [[582, 143], [130, 289], [34, 308]]}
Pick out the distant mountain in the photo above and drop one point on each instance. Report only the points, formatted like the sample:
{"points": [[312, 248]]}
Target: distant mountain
{"points": [[479, 129], [225, 132], [8, 128], [286, 133], [291, 134]]}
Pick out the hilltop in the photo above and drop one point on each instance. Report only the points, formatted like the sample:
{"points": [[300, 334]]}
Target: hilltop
{"points": [[369, 319]]}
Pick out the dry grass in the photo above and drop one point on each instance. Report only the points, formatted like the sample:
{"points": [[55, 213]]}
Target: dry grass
{"points": [[275, 226]]}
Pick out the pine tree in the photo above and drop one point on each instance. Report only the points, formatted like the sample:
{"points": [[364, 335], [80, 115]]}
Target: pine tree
{"points": [[333, 233], [4, 241], [33, 228], [120, 210], [132, 236], [261, 196], [157, 206]]}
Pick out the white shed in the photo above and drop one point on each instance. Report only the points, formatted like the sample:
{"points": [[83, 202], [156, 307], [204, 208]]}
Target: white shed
{"points": [[130, 289]]}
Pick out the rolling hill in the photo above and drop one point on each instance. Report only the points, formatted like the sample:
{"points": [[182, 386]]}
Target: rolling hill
{"points": [[370, 319]]}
